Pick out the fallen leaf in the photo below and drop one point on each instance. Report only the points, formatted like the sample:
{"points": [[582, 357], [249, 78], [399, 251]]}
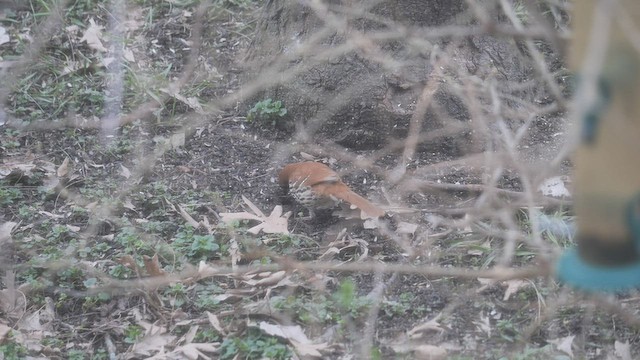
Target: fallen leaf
{"points": [[153, 343], [124, 172], [623, 350], [276, 222], [63, 169], [5, 231], [484, 324], [127, 54], [564, 344], [406, 228], [4, 330], [177, 140], [370, 223], [192, 102], [152, 265], [294, 334], [4, 37], [234, 252], [419, 330], [271, 279], [512, 287], [129, 262], [421, 351], [127, 204], [554, 186], [30, 322], [195, 351], [92, 36], [185, 215], [215, 322], [72, 228], [12, 301], [429, 352]]}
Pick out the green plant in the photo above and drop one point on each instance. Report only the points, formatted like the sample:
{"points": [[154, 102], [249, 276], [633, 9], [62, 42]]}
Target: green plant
{"points": [[121, 272], [10, 140], [207, 335], [267, 110], [27, 212], [243, 4], [53, 342], [346, 299], [205, 296], [75, 354], [132, 241], [254, 346], [178, 294], [132, 333], [406, 304], [508, 330], [12, 351], [8, 195], [521, 12], [73, 278], [195, 247], [100, 354]]}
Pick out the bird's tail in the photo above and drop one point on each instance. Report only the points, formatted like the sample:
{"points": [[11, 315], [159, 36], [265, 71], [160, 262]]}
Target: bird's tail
{"points": [[368, 209]]}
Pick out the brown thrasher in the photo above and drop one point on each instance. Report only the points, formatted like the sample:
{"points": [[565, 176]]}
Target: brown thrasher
{"points": [[315, 185]]}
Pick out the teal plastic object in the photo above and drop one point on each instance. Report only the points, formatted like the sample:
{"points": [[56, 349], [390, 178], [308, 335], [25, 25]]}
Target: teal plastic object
{"points": [[574, 271]]}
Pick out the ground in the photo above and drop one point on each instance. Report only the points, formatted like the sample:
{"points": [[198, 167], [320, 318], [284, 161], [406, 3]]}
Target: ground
{"points": [[114, 244]]}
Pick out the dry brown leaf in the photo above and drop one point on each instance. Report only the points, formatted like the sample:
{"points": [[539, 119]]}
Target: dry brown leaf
{"points": [[275, 223], [484, 324], [512, 287], [152, 343], [271, 279], [329, 254], [12, 301], [406, 228], [30, 323], [421, 351], [228, 298], [124, 172], [5, 231], [73, 228], [51, 215], [429, 352], [294, 334], [152, 265], [164, 144], [564, 344], [215, 322], [623, 350], [93, 36], [419, 330], [195, 350], [185, 215], [4, 37], [234, 251], [190, 335], [13, 170], [127, 54], [192, 102], [4, 330], [177, 140], [129, 262], [63, 169], [307, 156], [127, 204]]}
